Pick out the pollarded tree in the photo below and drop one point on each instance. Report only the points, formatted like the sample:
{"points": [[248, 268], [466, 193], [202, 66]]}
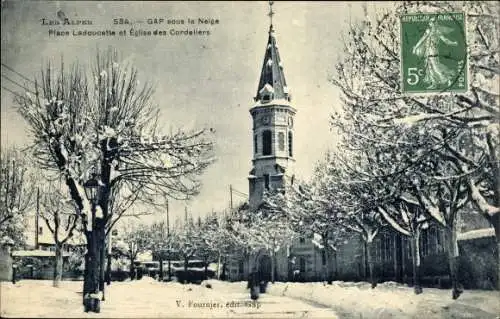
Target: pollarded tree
{"points": [[186, 242], [215, 240], [121, 205], [104, 122], [385, 175], [59, 213], [16, 194], [342, 182], [274, 233], [369, 77], [307, 212], [162, 244], [237, 223], [134, 239]]}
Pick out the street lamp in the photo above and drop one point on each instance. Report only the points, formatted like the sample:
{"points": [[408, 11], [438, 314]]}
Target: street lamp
{"points": [[90, 298], [92, 190]]}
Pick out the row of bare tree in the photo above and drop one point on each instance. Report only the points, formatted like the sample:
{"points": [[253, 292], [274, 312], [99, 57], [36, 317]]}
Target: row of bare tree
{"points": [[406, 161]]}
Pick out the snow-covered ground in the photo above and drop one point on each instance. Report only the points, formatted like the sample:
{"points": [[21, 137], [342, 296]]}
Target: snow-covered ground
{"points": [[147, 298], [387, 300], [151, 299]]}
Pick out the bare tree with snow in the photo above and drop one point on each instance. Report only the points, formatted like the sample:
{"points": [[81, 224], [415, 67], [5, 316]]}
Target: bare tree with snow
{"points": [[306, 212], [104, 122], [459, 129], [59, 213], [16, 196]]}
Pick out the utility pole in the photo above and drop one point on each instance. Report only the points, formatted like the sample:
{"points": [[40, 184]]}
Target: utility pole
{"points": [[168, 222], [231, 196], [37, 216], [168, 238]]}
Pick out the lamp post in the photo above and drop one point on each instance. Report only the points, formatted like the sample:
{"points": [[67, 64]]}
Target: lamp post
{"points": [[108, 267], [91, 298]]}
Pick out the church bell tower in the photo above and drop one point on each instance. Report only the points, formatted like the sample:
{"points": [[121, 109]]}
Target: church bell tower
{"points": [[273, 130]]}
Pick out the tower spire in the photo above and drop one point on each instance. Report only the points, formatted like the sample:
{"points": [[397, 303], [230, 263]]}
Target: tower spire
{"points": [[272, 83], [270, 14]]}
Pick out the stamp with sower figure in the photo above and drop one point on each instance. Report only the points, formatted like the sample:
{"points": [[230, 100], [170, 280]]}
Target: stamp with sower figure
{"points": [[433, 53]]}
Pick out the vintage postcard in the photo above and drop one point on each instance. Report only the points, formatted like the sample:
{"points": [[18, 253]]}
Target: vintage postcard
{"points": [[264, 159]]}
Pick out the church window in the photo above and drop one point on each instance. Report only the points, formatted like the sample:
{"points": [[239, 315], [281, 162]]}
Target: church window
{"points": [[281, 141], [323, 257], [266, 181], [266, 143], [241, 267], [290, 144], [302, 239], [255, 138]]}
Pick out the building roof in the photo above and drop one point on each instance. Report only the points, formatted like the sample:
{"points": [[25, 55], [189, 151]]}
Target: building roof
{"points": [[478, 233], [272, 77], [35, 253]]}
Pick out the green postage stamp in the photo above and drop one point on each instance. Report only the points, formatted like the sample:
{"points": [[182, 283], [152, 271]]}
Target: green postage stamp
{"points": [[433, 53]]}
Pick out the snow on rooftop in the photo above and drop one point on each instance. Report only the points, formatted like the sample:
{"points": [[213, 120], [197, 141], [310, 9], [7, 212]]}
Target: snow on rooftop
{"points": [[145, 256], [282, 102], [478, 233], [269, 62], [267, 88], [36, 253]]}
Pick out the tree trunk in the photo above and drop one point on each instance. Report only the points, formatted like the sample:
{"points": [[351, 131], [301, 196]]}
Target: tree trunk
{"points": [[102, 259], [206, 269], [498, 259], [403, 258], [91, 290], [58, 266], [249, 270], [218, 264], [186, 260], [273, 266], [371, 267], [132, 268], [108, 270], [328, 258], [160, 275], [395, 257], [169, 269], [335, 265], [366, 272], [86, 272], [453, 259], [495, 220], [415, 246]]}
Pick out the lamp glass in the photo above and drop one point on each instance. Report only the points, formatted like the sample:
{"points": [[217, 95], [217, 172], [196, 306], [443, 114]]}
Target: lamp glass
{"points": [[91, 188]]}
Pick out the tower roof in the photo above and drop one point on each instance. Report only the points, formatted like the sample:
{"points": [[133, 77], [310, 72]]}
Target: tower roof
{"points": [[272, 72]]}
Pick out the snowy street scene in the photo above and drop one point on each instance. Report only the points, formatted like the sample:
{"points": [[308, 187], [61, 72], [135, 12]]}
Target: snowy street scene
{"points": [[282, 300], [250, 159]]}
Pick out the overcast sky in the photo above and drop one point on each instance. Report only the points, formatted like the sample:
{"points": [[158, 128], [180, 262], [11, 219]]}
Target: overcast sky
{"points": [[201, 80]]}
